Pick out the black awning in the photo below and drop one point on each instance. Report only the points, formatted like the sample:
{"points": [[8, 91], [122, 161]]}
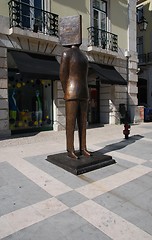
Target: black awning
{"points": [[106, 74], [36, 66]]}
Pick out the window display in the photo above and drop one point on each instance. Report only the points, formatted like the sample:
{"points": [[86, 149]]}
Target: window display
{"points": [[30, 103]]}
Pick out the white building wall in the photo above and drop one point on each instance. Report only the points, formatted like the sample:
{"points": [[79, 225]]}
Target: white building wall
{"points": [[59, 107], [105, 96]]}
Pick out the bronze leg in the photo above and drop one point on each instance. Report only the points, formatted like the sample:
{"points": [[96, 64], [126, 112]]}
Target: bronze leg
{"points": [[71, 112], [82, 125]]}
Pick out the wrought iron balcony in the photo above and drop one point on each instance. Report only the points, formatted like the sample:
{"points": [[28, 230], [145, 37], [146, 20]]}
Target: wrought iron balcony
{"points": [[25, 16], [103, 39]]}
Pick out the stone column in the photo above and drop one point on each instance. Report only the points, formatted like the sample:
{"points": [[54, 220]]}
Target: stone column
{"points": [[4, 109], [132, 78]]}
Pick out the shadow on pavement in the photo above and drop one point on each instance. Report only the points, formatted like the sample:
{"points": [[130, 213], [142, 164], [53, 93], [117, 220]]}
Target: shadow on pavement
{"points": [[19, 135], [120, 145]]}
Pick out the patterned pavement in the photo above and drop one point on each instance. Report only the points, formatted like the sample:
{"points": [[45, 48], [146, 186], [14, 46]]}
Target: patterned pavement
{"points": [[39, 200]]}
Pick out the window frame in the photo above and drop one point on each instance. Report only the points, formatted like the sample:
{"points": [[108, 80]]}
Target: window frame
{"points": [[100, 12]]}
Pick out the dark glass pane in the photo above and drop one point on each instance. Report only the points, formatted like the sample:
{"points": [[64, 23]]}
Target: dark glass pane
{"points": [[96, 19], [101, 5], [103, 21], [38, 13], [25, 11]]}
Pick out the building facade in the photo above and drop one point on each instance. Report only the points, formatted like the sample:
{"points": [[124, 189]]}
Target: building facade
{"points": [[144, 48], [31, 96]]}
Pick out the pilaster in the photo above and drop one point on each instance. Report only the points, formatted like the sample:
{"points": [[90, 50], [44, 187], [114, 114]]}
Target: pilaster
{"points": [[4, 109]]}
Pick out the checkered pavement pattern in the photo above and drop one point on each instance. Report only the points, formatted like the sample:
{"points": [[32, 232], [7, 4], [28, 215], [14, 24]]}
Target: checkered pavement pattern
{"points": [[39, 200]]}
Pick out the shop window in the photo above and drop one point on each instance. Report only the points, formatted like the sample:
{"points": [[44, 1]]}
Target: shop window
{"points": [[30, 103]]}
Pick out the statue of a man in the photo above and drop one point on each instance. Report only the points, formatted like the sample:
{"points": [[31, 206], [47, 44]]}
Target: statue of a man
{"points": [[73, 76]]}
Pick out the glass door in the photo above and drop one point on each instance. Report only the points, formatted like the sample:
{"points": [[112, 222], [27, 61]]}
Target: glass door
{"points": [[38, 15], [100, 23], [31, 12], [25, 13]]}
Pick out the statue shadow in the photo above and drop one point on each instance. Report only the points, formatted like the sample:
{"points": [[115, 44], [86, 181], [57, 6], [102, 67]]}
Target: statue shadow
{"points": [[119, 145], [96, 125]]}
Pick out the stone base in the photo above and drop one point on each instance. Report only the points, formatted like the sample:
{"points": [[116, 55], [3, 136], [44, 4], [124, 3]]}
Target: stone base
{"points": [[4, 134], [81, 165]]}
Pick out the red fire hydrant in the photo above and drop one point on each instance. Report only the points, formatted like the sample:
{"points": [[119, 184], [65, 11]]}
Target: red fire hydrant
{"points": [[126, 130]]}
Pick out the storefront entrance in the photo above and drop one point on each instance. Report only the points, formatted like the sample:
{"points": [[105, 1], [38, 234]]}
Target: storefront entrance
{"points": [[142, 92]]}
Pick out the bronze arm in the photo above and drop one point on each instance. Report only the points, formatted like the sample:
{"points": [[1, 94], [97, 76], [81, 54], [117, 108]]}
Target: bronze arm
{"points": [[64, 70]]}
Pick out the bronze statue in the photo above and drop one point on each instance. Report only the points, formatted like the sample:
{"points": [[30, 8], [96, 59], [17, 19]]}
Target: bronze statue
{"points": [[73, 76]]}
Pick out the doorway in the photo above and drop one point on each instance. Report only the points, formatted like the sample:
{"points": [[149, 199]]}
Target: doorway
{"points": [[94, 108], [142, 92]]}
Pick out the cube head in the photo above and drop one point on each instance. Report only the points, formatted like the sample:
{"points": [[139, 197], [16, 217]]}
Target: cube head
{"points": [[70, 30]]}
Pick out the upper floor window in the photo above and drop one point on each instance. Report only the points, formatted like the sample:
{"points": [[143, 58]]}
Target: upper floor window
{"points": [[33, 15], [140, 13], [100, 14], [140, 50], [140, 45]]}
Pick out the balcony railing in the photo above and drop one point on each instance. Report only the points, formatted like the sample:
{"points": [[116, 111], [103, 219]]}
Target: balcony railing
{"points": [[145, 58], [149, 57], [25, 16], [142, 58], [103, 39]]}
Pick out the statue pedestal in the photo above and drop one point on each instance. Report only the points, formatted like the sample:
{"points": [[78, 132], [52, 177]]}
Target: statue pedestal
{"points": [[81, 165]]}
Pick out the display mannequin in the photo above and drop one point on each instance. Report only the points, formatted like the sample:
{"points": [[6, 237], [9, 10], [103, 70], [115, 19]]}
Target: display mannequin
{"points": [[38, 110], [13, 109]]}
